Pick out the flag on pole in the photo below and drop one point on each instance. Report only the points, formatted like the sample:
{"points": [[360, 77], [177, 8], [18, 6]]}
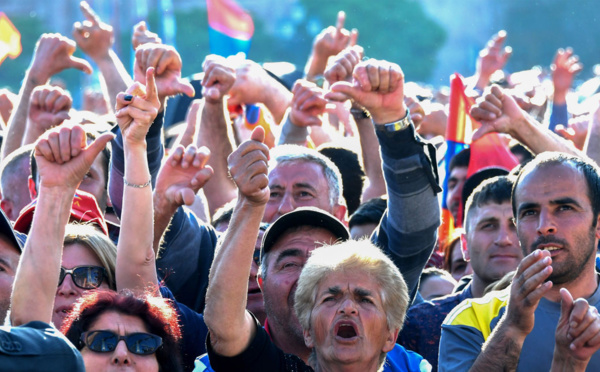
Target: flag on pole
{"points": [[10, 39], [230, 28]]}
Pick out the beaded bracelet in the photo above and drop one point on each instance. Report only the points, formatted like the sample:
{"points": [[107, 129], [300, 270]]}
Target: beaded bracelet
{"points": [[137, 186]]}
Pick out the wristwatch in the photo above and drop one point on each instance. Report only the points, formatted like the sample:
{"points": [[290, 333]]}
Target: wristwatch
{"points": [[396, 126]]}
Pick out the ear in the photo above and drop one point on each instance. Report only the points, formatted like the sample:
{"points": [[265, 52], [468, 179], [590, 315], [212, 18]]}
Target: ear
{"points": [[339, 211], [308, 340], [390, 342], [464, 247], [32, 190], [598, 227]]}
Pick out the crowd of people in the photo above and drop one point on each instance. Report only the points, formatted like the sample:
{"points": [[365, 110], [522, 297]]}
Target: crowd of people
{"points": [[292, 224]]}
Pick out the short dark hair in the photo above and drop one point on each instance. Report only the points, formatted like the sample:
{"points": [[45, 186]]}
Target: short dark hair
{"points": [[223, 214], [370, 211], [586, 166], [460, 160], [353, 175], [157, 314], [496, 190]]}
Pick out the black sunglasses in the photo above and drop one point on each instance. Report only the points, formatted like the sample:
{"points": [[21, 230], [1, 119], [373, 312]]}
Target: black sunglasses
{"points": [[107, 341], [85, 277]]}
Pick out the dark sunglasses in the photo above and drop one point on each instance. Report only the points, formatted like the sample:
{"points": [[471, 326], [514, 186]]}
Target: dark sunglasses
{"points": [[107, 341], [85, 277]]}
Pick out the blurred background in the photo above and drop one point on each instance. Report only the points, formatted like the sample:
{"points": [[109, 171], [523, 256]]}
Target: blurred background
{"points": [[429, 39]]}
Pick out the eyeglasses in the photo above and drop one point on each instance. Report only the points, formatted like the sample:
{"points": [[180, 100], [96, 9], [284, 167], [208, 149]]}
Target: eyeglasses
{"points": [[107, 341], [85, 277]]}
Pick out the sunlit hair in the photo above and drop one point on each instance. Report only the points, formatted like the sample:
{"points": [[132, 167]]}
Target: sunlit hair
{"points": [[292, 153], [157, 314], [496, 190], [88, 235], [352, 256]]}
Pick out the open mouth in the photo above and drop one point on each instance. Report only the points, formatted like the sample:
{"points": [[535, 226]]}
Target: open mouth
{"points": [[253, 290], [346, 331]]}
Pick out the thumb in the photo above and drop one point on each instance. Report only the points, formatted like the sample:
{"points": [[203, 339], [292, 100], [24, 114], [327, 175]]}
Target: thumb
{"points": [[184, 86], [97, 146], [258, 134], [140, 26], [81, 64], [347, 89], [566, 303]]}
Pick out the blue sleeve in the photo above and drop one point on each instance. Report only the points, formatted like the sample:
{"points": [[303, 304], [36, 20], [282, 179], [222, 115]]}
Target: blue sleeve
{"points": [[185, 258], [460, 346], [559, 115], [155, 154], [401, 360], [193, 331], [408, 230]]}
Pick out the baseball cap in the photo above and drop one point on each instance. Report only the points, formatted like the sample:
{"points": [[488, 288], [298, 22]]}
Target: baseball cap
{"points": [[84, 209], [304, 216], [6, 229]]}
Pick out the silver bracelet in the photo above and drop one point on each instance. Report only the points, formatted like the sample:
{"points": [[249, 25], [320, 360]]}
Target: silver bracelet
{"points": [[137, 186]]}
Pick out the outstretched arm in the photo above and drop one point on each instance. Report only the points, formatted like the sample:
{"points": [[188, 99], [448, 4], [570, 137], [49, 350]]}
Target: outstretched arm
{"points": [[231, 327], [63, 159]]}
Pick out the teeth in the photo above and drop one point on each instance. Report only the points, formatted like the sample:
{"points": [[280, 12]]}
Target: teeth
{"points": [[551, 248]]}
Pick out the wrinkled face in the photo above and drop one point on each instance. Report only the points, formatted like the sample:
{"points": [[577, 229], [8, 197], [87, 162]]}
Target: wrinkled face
{"points": [[255, 302], [9, 260], [456, 182], [296, 184], [348, 322], [121, 359], [492, 243], [68, 293], [554, 212], [459, 266], [285, 262]]}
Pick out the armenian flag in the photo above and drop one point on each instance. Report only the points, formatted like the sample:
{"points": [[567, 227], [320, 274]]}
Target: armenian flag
{"points": [[10, 39], [230, 28]]}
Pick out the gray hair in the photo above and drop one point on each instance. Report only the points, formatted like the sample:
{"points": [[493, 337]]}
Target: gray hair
{"points": [[293, 153]]}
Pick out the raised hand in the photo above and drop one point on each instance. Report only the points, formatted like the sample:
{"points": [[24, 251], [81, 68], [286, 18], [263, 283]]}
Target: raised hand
{"points": [[218, 79], [564, 68], [308, 104], [333, 40], [252, 84], [93, 37], [63, 157], [378, 86], [141, 35], [577, 334], [342, 65], [493, 57], [135, 114], [48, 107], [527, 289], [167, 63], [497, 112], [53, 54], [576, 130], [183, 174], [248, 166]]}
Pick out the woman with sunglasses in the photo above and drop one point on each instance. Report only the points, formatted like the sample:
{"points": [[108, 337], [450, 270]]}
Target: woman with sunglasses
{"points": [[88, 263]]}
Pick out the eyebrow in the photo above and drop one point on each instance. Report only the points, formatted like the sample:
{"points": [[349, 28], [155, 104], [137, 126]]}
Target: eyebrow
{"points": [[488, 219], [362, 292], [563, 201], [289, 253]]}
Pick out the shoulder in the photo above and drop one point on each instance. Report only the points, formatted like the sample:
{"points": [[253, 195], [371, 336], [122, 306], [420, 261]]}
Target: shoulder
{"points": [[400, 359]]}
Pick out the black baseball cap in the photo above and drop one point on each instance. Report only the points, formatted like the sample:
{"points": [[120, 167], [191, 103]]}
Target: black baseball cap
{"points": [[6, 229], [304, 216]]}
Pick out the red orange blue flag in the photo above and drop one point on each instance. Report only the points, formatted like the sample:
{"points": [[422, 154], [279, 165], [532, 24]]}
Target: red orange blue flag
{"points": [[10, 39], [230, 28]]}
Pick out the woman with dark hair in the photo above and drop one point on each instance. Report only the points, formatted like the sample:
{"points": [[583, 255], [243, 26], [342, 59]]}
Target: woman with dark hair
{"points": [[148, 325]]}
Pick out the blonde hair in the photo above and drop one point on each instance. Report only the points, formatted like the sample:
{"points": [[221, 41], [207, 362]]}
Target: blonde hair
{"points": [[100, 244]]}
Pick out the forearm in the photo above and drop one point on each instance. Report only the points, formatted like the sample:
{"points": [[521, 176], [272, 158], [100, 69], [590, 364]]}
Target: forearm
{"points": [[32, 133], [115, 76], [315, 65], [216, 134], [277, 99], [538, 139], [16, 125], [371, 160], [163, 213], [567, 364], [291, 133], [225, 313], [34, 287], [501, 351], [136, 267]]}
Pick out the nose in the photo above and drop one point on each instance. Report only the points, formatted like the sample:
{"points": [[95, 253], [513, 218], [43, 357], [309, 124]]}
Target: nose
{"points": [[287, 204], [67, 287], [506, 236], [546, 224], [347, 307], [120, 355]]}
